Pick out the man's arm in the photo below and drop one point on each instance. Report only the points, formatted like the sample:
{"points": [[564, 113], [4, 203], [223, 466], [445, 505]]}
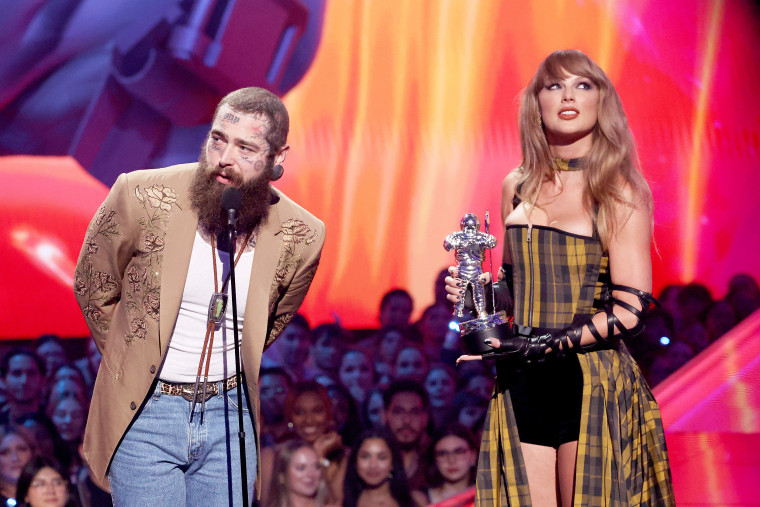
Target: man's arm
{"points": [[102, 261], [299, 285]]}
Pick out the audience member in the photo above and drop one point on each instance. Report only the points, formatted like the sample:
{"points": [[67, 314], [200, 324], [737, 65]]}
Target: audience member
{"points": [[90, 364], [395, 309], [355, 373], [16, 449], [743, 295], [45, 435], [646, 346], [669, 360], [328, 341], [345, 414], [43, 483], [69, 371], [411, 363], [694, 300], [407, 412], [439, 290], [668, 299], [23, 374], [309, 411], [440, 385], [432, 328], [373, 409], [274, 384], [52, 352], [298, 478], [375, 474], [291, 350], [469, 410], [478, 382], [721, 317], [453, 456]]}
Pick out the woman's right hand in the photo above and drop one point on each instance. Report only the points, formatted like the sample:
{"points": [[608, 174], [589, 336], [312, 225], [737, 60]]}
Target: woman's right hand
{"points": [[454, 289]]}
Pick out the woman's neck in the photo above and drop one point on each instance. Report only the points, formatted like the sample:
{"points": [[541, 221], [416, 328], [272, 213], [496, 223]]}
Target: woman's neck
{"points": [[570, 148], [295, 500]]}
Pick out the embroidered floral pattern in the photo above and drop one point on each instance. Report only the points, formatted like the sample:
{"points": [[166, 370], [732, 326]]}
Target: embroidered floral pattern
{"points": [[143, 278], [96, 287], [295, 232]]}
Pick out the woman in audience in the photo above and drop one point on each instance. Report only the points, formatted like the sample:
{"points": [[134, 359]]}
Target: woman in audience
{"points": [[411, 363], [373, 410], [375, 474], [298, 477], [309, 411], [453, 455], [43, 483], [16, 449], [345, 413], [440, 385], [356, 373]]}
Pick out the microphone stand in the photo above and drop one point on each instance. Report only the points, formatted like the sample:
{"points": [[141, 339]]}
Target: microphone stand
{"points": [[231, 225]]}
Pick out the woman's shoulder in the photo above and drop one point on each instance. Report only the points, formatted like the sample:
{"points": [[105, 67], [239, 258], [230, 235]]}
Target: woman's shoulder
{"points": [[512, 178]]}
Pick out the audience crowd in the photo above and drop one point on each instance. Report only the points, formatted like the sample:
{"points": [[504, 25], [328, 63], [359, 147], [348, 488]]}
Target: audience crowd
{"points": [[349, 417]]}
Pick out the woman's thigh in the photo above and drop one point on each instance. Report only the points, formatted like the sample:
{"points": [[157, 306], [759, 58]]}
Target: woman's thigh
{"points": [[541, 465]]}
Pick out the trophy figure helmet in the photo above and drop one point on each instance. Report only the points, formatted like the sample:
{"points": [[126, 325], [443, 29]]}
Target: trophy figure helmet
{"points": [[470, 224]]}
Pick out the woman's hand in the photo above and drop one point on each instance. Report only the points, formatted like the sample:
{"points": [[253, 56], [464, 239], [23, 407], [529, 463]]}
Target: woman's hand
{"points": [[455, 286], [327, 443]]}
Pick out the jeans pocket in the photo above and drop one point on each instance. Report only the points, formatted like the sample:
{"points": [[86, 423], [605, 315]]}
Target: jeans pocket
{"points": [[232, 399]]}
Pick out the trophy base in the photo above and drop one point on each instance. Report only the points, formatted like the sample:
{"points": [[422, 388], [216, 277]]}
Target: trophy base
{"points": [[475, 331]]}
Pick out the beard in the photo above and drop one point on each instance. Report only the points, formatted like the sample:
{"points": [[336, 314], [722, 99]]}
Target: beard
{"points": [[206, 200]]}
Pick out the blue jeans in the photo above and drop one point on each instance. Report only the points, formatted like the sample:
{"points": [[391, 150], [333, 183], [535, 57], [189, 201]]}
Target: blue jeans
{"points": [[166, 460]]}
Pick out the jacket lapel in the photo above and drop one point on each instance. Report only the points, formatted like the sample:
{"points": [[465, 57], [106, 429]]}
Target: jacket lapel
{"points": [[180, 235], [265, 260]]}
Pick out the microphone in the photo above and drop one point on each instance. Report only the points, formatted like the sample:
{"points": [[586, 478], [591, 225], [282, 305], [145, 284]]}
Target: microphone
{"points": [[231, 201]]}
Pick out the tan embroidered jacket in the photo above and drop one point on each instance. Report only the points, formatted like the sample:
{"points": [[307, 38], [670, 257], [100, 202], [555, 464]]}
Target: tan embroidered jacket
{"points": [[129, 282]]}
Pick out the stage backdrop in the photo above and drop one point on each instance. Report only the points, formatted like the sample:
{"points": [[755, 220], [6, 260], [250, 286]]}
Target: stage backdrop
{"points": [[407, 118]]}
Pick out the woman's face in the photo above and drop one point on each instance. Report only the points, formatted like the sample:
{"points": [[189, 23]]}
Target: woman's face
{"points": [[15, 453], [569, 109], [304, 473], [356, 372], [48, 489], [389, 344], [69, 419], [374, 461], [440, 387], [480, 385], [470, 415], [376, 410], [410, 364], [310, 417], [454, 458]]}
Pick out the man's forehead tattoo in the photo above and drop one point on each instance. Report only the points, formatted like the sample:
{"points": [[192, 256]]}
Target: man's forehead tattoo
{"points": [[230, 118]]}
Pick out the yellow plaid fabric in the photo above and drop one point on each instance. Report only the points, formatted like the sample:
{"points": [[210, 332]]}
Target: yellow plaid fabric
{"points": [[622, 458]]}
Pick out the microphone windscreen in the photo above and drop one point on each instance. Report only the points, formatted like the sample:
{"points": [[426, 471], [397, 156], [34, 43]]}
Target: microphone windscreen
{"points": [[232, 198]]}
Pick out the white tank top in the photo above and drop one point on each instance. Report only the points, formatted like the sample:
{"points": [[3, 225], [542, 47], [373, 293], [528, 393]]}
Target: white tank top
{"points": [[186, 343]]}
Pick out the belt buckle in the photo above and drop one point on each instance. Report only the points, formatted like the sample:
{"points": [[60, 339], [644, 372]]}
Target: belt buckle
{"points": [[188, 390]]}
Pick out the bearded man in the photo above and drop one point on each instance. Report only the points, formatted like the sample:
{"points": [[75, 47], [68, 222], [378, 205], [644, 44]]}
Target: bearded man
{"points": [[165, 401]]}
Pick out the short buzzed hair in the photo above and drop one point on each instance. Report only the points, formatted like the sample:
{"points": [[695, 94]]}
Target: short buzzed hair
{"points": [[255, 100]]}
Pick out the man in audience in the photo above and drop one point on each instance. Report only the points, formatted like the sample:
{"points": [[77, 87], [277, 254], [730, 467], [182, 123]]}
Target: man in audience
{"points": [[52, 352], [23, 374], [291, 350], [407, 412], [274, 384]]}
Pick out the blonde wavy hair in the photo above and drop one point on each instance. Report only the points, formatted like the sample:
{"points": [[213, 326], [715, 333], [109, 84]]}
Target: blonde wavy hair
{"points": [[612, 162]]}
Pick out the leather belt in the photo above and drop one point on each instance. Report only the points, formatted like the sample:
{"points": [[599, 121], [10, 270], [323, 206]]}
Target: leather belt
{"points": [[187, 390]]}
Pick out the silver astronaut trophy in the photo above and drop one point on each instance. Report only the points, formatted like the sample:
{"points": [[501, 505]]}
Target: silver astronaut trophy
{"points": [[470, 246]]}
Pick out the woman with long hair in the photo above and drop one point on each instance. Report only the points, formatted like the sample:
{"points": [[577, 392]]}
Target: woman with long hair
{"points": [[453, 454], [43, 483], [309, 412], [16, 449], [298, 477], [572, 420], [375, 474]]}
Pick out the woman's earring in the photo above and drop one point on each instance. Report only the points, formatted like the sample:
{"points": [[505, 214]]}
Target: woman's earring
{"points": [[540, 121]]}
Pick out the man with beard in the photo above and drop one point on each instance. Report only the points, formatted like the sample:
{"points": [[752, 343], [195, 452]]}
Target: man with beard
{"points": [[407, 413], [162, 428]]}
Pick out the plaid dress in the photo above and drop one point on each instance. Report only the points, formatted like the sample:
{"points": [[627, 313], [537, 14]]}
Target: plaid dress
{"points": [[622, 459]]}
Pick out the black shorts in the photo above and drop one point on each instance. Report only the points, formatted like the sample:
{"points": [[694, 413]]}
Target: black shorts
{"points": [[546, 399]]}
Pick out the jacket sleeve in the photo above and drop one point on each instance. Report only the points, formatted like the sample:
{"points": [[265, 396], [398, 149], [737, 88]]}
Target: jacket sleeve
{"points": [[105, 253], [294, 293]]}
